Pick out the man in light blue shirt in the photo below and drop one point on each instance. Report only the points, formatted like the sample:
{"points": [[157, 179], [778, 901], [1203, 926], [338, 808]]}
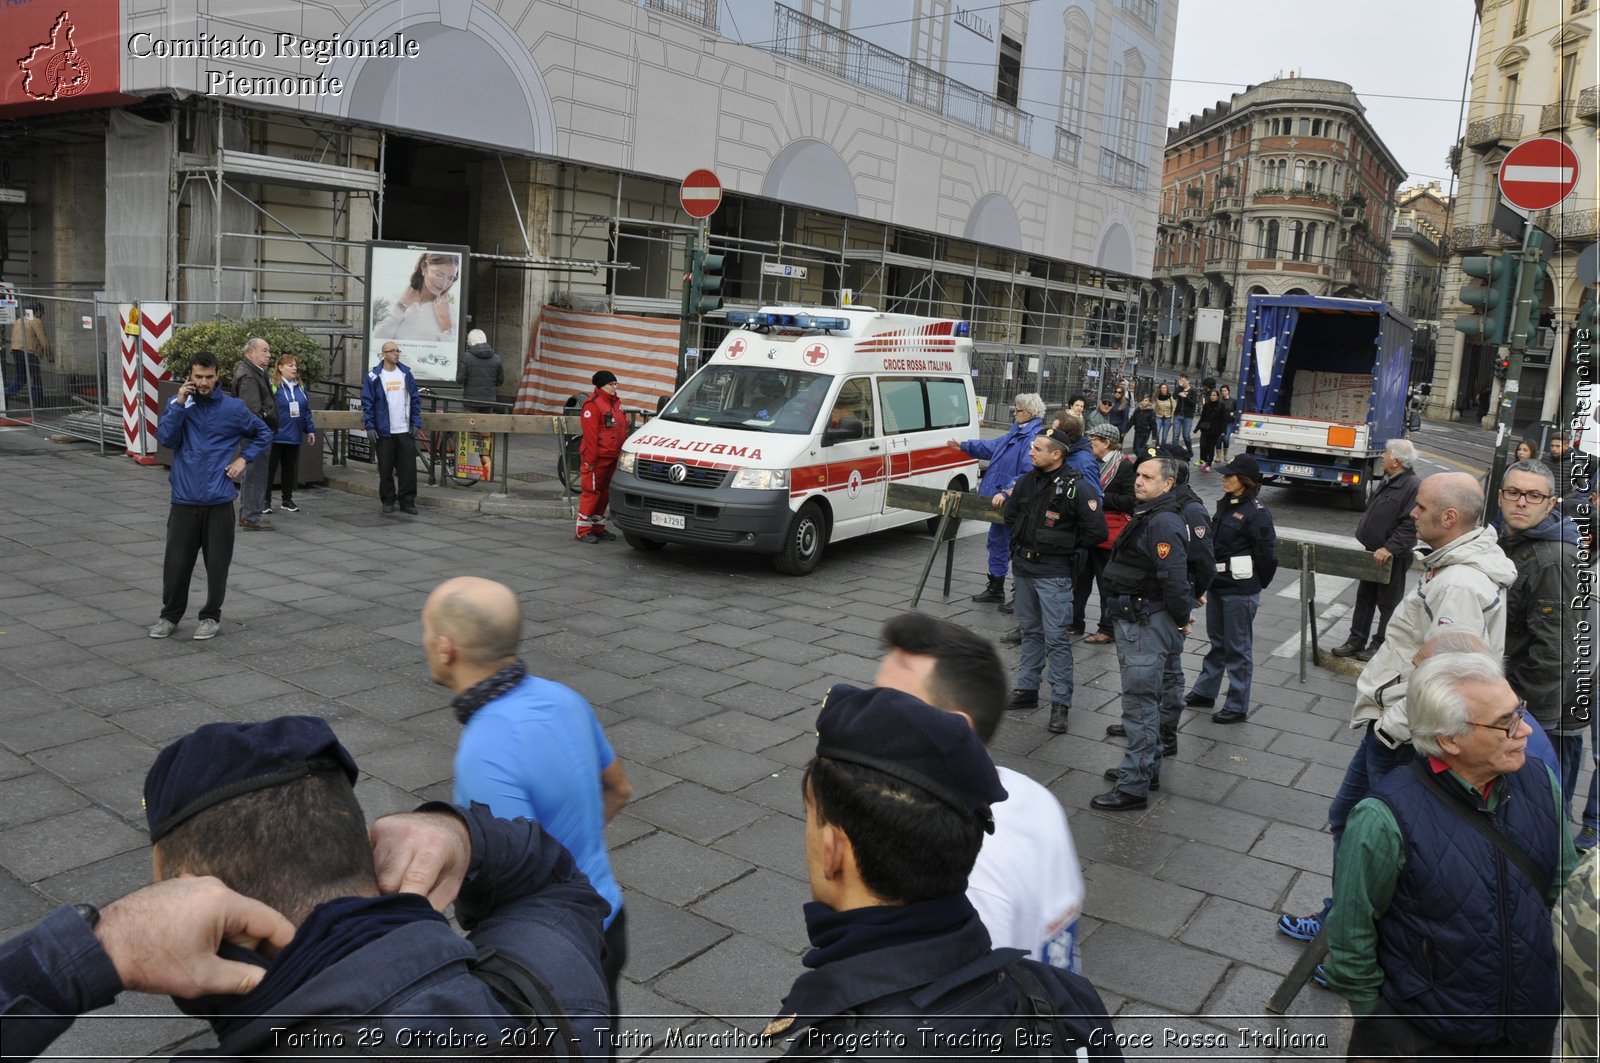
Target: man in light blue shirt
{"points": [[529, 748]]}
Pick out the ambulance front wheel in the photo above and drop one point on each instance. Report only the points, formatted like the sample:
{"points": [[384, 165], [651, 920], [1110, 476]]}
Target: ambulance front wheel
{"points": [[639, 542], [958, 484], [804, 543]]}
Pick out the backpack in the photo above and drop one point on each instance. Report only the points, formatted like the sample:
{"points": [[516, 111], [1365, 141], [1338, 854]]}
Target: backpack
{"points": [[546, 1033]]}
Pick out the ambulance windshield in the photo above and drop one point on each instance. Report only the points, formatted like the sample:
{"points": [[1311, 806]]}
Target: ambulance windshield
{"points": [[753, 398]]}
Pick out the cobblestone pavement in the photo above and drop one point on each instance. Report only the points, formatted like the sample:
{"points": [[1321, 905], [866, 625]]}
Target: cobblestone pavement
{"points": [[707, 671]]}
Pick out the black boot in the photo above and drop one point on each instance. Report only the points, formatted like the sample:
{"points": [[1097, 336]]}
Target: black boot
{"points": [[1351, 647], [994, 592], [1012, 637], [1022, 699], [1058, 718], [1008, 608]]}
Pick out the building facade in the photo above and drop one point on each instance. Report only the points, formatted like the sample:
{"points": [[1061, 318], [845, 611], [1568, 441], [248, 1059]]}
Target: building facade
{"points": [[1533, 75], [1284, 188], [988, 163], [1416, 240]]}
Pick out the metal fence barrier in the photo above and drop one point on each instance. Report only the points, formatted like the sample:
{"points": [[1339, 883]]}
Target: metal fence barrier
{"points": [[63, 380]]}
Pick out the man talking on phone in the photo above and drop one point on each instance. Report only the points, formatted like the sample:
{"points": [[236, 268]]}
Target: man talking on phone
{"points": [[213, 438]]}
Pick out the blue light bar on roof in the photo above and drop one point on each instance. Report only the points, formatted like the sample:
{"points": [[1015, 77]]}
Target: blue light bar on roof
{"points": [[963, 328], [746, 319]]}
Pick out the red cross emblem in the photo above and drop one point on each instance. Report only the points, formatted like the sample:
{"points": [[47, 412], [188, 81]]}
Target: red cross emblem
{"points": [[736, 348], [816, 354]]}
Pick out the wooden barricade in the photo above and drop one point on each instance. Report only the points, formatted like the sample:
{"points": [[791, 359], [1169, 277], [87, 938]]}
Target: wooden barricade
{"points": [[1332, 555], [952, 508]]}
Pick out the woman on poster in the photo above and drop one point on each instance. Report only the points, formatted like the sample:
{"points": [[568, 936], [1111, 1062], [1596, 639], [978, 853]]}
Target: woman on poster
{"points": [[424, 309]]}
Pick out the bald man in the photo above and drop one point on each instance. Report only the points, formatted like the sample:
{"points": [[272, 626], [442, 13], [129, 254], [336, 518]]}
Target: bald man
{"points": [[529, 747]]}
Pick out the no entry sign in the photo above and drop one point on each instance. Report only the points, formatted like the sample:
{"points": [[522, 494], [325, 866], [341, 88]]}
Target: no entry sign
{"points": [[701, 194], [1538, 173]]}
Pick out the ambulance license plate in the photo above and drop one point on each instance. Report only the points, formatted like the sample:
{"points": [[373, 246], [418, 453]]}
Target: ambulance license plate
{"points": [[667, 520], [1296, 470]]}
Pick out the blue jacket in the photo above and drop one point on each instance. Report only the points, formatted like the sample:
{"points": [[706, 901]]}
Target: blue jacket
{"points": [[293, 429], [1007, 456], [204, 435], [375, 404], [1080, 456], [1465, 946], [523, 897]]}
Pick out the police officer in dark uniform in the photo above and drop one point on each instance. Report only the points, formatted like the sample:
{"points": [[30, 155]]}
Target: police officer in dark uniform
{"points": [[897, 803], [1050, 513], [1246, 560], [1197, 522], [1152, 602]]}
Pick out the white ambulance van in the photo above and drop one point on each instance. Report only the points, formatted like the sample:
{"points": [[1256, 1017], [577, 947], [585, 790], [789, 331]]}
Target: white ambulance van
{"points": [[789, 435]]}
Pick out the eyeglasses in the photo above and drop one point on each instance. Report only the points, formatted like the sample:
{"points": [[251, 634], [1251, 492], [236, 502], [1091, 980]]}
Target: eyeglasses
{"points": [[1533, 498], [1509, 727]]}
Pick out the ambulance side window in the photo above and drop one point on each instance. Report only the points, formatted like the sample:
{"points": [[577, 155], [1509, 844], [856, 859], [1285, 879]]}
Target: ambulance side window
{"points": [[948, 405], [903, 410]]}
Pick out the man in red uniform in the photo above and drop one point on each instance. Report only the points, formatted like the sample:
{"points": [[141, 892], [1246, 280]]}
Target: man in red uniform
{"points": [[605, 426]]}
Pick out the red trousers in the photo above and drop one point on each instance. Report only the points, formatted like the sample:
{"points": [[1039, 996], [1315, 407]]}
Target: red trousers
{"points": [[595, 496]]}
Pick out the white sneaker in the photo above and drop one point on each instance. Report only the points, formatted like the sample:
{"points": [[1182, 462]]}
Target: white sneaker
{"points": [[206, 629], [162, 629]]}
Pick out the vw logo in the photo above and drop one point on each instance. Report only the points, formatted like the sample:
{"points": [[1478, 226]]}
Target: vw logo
{"points": [[678, 472]]}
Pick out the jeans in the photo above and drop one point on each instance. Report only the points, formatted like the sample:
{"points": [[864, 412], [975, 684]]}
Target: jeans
{"points": [[1142, 651], [1569, 751], [1044, 610], [1230, 625], [253, 491], [1379, 597], [1371, 762], [999, 550], [26, 370], [397, 460], [1183, 429], [1208, 446], [1591, 807], [191, 532], [1163, 429]]}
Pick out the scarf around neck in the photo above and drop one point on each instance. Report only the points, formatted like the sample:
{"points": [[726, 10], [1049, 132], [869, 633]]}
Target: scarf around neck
{"points": [[495, 686]]}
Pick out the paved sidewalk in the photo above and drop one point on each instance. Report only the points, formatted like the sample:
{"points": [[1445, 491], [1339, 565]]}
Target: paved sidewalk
{"points": [[707, 670]]}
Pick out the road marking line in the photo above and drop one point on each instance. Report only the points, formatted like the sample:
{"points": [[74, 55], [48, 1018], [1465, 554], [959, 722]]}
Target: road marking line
{"points": [[1328, 588], [1474, 469], [1290, 647]]}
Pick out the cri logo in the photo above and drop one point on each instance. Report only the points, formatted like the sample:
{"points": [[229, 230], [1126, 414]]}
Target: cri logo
{"points": [[55, 69]]}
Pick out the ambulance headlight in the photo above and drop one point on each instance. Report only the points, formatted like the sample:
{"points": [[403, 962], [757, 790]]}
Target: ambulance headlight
{"points": [[761, 479], [626, 462]]}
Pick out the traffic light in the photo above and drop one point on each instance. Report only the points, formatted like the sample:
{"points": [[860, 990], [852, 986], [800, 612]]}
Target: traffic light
{"points": [[705, 283], [1492, 298], [1502, 367], [1530, 293]]}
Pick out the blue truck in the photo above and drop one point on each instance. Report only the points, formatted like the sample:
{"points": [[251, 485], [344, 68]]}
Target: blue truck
{"points": [[1323, 385]]}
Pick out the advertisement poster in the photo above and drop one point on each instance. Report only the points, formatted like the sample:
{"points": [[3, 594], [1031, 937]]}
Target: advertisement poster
{"points": [[475, 455], [416, 297]]}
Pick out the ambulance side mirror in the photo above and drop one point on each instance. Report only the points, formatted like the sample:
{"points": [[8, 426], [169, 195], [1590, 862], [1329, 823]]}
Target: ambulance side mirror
{"points": [[849, 428]]}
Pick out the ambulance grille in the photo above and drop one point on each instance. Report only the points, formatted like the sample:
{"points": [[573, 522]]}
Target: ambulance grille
{"points": [[699, 475]]}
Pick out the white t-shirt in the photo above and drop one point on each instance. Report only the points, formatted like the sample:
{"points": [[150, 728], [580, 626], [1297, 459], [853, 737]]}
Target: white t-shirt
{"points": [[394, 389], [1027, 884]]}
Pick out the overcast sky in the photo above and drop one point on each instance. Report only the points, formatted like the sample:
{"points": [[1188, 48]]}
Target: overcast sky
{"points": [[1404, 58]]}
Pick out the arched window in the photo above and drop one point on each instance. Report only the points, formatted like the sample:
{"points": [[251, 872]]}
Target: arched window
{"points": [[1311, 242], [1132, 107], [1074, 70], [1299, 173], [1272, 239], [1261, 236]]}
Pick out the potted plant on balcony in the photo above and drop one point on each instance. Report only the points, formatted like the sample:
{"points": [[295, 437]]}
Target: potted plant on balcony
{"points": [[1227, 182]]}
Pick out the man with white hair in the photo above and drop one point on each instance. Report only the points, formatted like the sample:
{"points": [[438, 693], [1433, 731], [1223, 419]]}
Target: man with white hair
{"points": [[1388, 530], [1440, 932], [1008, 460]]}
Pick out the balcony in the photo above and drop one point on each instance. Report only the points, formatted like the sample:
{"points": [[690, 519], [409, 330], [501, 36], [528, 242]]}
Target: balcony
{"points": [[813, 42], [1167, 220], [703, 12], [1229, 204], [1554, 116], [1486, 134], [1588, 108], [1194, 214], [1120, 170], [1069, 146], [1477, 238], [1568, 224]]}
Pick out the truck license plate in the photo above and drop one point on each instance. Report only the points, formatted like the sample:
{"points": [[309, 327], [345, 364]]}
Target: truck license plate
{"points": [[667, 520], [1296, 470]]}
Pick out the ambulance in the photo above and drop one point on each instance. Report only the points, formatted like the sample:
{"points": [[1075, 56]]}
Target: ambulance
{"points": [[789, 435]]}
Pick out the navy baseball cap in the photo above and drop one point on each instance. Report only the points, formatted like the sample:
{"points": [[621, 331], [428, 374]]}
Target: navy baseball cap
{"points": [[1240, 465], [221, 761], [908, 739]]}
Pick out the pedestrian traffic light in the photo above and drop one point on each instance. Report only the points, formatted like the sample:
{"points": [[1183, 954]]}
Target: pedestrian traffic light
{"points": [[705, 284], [1492, 299]]}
